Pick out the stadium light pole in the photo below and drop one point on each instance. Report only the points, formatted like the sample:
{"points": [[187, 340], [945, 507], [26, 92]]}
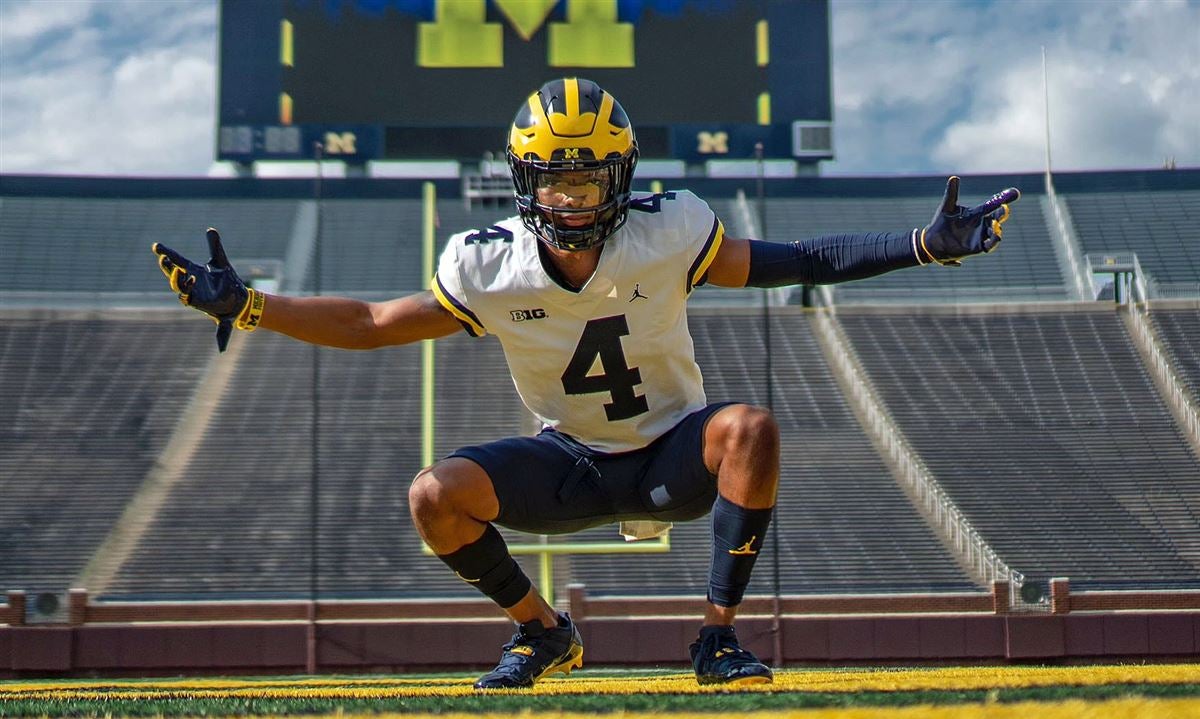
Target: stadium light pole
{"points": [[777, 603], [314, 484], [1046, 107]]}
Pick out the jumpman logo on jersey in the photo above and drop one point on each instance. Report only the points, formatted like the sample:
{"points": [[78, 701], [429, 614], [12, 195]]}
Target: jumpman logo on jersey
{"points": [[745, 550], [637, 292]]}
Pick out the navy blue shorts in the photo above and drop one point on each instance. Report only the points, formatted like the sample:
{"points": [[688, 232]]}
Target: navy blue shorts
{"points": [[551, 484]]}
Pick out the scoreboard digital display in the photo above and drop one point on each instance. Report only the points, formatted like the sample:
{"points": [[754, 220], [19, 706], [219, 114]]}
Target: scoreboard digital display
{"points": [[441, 79]]}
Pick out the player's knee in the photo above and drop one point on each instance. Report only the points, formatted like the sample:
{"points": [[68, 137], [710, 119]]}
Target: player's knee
{"points": [[752, 430], [424, 495], [449, 488], [432, 493]]}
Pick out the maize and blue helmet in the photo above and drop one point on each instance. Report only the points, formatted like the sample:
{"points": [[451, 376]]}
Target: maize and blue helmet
{"points": [[572, 134]]}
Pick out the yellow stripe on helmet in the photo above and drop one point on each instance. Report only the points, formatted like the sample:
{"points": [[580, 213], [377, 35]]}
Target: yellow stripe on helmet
{"points": [[551, 134], [571, 86]]}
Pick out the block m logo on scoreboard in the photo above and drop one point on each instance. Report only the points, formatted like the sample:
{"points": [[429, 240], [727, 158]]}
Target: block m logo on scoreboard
{"points": [[460, 35], [341, 143]]}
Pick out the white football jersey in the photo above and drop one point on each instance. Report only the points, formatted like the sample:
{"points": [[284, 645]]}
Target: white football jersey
{"points": [[611, 365]]}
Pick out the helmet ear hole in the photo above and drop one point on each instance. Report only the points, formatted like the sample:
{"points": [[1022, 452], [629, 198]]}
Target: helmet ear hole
{"points": [[572, 125]]}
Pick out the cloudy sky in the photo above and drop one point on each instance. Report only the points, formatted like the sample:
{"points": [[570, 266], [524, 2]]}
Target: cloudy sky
{"points": [[920, 86]]}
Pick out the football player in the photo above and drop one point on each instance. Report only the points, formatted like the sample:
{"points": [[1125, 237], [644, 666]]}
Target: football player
{"points": [[586, 289]]}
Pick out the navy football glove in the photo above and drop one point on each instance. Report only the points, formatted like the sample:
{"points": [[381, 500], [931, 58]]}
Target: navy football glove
{"points": [[215, 288], [956, 231]]}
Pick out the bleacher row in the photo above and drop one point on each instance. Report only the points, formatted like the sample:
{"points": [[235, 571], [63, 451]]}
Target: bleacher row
{"points": [[1040, 420]]}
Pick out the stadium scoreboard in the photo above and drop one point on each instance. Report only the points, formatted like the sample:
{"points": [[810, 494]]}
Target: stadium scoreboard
{"points": [[441, 79]]}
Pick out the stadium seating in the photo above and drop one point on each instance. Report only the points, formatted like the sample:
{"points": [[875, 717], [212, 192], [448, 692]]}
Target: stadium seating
{"points": [[89, 402], [110, 239], [1047, 431], [1060, 451], [1159, 226], [371, 246], [245, 532], [240, 526]]}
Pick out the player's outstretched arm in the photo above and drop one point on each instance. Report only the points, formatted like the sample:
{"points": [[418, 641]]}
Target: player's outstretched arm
{"points": [[215, 289], [954, 233], [356, 325]]}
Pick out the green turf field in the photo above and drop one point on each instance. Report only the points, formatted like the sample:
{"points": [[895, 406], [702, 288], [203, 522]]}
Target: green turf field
{"points": [[1159, 691]]}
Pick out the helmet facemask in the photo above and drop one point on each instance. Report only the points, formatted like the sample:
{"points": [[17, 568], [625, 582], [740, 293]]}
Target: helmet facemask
{"points": [[573, 204], [572, 152]]}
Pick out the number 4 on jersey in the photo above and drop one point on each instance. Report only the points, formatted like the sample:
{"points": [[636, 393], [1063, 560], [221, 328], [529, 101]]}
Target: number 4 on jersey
{"points": [[602, 338]]}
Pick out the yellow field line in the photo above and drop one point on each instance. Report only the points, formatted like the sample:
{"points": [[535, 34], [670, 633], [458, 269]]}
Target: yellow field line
{"points": [[1073, 709], [1126, 708], [953, 678]]}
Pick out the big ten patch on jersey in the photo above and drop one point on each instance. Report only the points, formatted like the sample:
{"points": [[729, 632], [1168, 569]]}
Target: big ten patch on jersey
{"points": [[536, 313]]}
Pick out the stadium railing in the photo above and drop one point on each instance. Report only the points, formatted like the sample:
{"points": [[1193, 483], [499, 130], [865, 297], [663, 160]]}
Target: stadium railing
{"points": [[83, 609], [1165, 375], [1064, 239]]}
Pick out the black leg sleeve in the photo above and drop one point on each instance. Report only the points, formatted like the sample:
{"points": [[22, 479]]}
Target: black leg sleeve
{"points": [[738, 535], [487, 564]]}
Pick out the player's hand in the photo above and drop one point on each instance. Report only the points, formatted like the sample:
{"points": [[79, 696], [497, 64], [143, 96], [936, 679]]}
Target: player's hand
{"points": [[957, 232], [214, 288]]}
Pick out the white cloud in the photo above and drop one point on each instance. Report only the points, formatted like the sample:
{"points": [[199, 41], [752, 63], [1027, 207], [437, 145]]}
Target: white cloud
{"points": [[20, 22], [1094, 122], [922, 95], [1124, 92], [130, 90]]}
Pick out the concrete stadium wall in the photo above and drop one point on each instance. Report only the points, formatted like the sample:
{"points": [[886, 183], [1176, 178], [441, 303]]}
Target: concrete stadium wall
{"points": [[130, 638], [400, 647]]}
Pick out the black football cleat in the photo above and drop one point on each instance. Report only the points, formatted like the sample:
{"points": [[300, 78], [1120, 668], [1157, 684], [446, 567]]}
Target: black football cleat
{"points": [[718, 659], [534, 653]]}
